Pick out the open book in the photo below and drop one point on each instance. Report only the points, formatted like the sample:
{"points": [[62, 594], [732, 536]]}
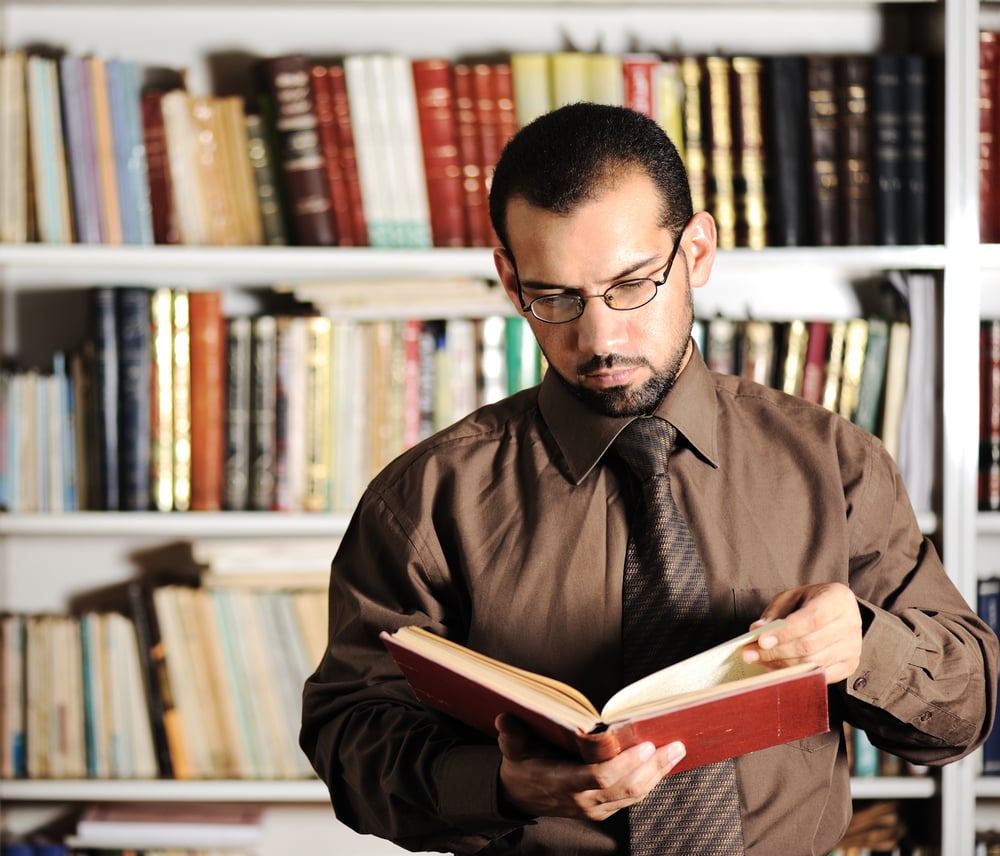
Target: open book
{"points": [[713, 702]]}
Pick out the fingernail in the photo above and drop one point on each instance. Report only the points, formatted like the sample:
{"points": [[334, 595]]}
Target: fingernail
{"points": [[646, 751], [675, 752], [751, 656], [767, 642]]}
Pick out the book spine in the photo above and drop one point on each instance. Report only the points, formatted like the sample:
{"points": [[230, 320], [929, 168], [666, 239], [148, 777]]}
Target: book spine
{"points": [[263, 408], [236, 466], [694, 133], [639, 71], [182, 400], [854, 149], [719, 137], [348, 153], [286, 79], [787, 151], [750, 157], [106, 395], [318, 451], [823, 119], [265, 182], [326, 128], [432, 80], [989, 56], [133, 316], [207, 327], [989, 459], [469, 155], [988, 608], [158, 169], [887, 114], [916, 157]]}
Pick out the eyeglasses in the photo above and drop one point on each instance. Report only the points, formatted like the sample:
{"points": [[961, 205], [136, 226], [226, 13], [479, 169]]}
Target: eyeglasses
{"points": [[622, 297]]}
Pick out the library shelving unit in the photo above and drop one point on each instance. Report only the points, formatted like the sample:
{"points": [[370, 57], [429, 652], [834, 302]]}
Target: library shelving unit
{"points": [[45, 558]]}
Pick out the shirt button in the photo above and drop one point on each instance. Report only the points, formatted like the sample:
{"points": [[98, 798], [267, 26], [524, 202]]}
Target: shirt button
{"points": [[860, 683], [924, 716]]}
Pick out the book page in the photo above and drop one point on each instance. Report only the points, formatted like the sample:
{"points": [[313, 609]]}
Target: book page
{"points": [[719, 665]]}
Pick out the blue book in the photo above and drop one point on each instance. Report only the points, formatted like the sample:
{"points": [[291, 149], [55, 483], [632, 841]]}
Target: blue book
{"points": [[133, 313]]}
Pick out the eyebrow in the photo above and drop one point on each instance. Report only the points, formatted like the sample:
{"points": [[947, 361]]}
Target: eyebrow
{"points": [[630, 272]]}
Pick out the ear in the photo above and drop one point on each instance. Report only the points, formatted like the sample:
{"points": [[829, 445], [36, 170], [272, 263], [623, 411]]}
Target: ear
{"points": [[699, 243], [505, 269]]}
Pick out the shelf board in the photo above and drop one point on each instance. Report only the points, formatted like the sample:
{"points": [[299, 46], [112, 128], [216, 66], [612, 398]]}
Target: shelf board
{"points": [[188, 524], [163, 790], [988, 787], [313, 791], [206, 267]]}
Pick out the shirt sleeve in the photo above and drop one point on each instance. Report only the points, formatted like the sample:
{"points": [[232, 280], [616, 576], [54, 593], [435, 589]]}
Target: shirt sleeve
{"points": [[925, 688], [394, 768]]}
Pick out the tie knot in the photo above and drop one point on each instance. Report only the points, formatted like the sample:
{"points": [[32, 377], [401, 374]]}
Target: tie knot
{"points": [[644, 445]]}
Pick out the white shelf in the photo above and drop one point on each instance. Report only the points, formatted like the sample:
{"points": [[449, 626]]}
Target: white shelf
{"points": [[163, 790], [313, 791], [188, 524]]}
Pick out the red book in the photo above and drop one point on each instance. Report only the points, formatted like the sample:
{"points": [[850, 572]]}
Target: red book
{"points": [[470, 155], [814, 369], [207, 348], [989, 222], [161, 195], [348, 157], [715, 704], [640, 82], [487, 111], [326, 127], [432, 81]]}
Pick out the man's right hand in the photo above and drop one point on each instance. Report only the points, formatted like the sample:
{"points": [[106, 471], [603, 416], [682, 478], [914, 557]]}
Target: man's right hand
{"points": [[537, 782]]}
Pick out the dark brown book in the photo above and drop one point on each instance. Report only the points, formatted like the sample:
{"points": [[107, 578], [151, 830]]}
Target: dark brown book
{"points": [[750, 159], [207, 327], [161, 196], [718, 706], [822, 118], [989, 52], [854, 149], [916, 142], [286, 82], [435, 93]]}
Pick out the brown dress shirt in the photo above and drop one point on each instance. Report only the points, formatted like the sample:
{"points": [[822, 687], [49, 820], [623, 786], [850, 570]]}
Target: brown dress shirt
{"points": [[507, 532]]}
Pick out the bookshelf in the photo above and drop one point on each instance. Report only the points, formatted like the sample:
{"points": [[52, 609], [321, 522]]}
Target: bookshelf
{"points": [[212, 39]]}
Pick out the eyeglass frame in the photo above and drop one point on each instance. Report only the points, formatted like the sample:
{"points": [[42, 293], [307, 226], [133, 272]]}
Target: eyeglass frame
{"points": [[580, 299]]}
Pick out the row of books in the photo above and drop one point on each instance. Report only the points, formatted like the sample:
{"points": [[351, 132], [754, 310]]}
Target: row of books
{"points": [[989, 136], [297, 413], [172, 406], [867, 760], [856, 367], [386, 150], [193, 683], [989, 415]]}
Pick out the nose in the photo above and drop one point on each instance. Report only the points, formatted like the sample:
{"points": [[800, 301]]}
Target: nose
{"points": [[600, 329]]}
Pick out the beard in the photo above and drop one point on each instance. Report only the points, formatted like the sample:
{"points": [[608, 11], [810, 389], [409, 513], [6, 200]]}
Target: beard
{"points": [[625, 401]]}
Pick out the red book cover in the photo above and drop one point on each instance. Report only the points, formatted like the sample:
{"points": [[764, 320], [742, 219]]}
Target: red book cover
{"points": [[487, 112], [161, 195], [207, 399], [432, 81], [326, 127], [728, 714], [470, 155], [640, 86], [814, 370], [348, 157], [989, 223]]}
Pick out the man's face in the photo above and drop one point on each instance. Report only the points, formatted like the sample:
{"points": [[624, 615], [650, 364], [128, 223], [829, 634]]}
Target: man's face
{"points": [[620, 362]]}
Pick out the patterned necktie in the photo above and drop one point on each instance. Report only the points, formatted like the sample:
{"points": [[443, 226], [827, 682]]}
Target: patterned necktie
{"points": [[665, 619]]}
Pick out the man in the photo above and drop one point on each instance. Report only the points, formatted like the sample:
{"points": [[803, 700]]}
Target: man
{"points": [[509, 532]]}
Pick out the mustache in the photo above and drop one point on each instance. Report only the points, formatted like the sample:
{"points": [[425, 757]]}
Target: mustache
{"points": [[609, 361]]}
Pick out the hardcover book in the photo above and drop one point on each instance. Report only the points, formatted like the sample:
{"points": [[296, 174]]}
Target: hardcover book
{"points": [[822, 123], [713, 702]]}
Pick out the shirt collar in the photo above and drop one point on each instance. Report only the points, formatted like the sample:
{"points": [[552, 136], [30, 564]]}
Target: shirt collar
{"points": [[583, 435]]}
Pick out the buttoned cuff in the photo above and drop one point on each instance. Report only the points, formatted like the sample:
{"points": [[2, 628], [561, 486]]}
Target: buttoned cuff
{"points": [[886, 654]]}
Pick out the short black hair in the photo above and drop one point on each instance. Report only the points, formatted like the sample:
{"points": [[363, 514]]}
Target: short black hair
{"points": [[575, 152]]}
